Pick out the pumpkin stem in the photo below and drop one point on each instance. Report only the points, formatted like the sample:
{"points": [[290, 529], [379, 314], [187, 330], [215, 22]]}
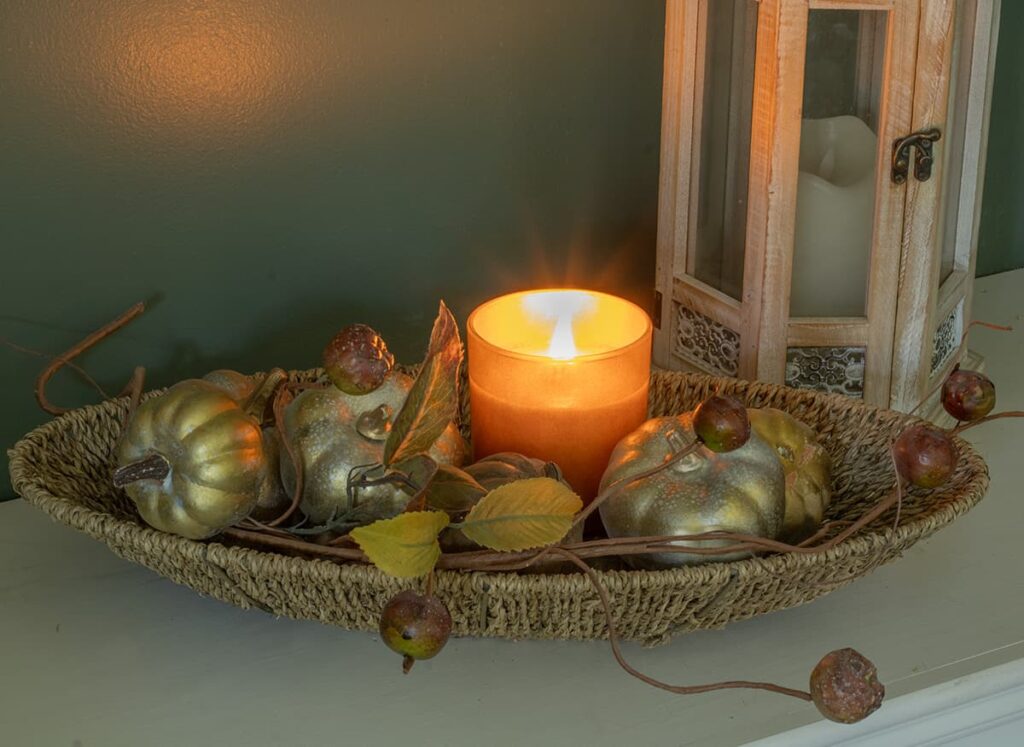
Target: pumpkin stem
{"points": [[256, 405], [153, 467]]}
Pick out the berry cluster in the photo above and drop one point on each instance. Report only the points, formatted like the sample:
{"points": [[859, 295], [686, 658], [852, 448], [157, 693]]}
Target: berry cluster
{"points": [[925, 455]]}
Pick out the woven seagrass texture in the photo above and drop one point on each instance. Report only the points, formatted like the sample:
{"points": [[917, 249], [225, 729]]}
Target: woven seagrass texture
{"points": [[64, 468]]}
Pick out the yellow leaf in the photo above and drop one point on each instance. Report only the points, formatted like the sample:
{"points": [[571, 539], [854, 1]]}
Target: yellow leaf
{"points": [[405, 546], [522, 515]]}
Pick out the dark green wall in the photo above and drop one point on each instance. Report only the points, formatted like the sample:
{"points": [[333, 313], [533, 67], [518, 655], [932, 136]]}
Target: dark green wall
{"points": [[1001, 241], [265, 172]]}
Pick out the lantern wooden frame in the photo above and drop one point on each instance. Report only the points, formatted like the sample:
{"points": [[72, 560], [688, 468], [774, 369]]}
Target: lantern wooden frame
{"points": [[913, 322]]}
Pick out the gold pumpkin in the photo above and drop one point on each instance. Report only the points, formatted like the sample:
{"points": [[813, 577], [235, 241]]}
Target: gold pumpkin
{"points": [[500, 469], [334, 432], [238, 385], [192, 460], [807, 466], [255, 396], [737, 491]]}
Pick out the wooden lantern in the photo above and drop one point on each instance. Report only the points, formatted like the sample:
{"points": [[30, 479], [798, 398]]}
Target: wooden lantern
{"points": [[821, 172]]}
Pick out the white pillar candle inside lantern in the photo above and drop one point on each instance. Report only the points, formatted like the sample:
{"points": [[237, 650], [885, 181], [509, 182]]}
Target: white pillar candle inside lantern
{"points": [[834, 217], [799, 241]]}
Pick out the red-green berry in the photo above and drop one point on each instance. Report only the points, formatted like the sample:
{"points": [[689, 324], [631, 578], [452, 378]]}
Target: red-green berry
{"points": [[415, 626], [357, 360], [925, 455], [721, 423], [968, 395]]}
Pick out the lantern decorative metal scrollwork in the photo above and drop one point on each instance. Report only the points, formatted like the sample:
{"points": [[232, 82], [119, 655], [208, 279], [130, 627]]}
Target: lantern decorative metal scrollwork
{"points": [[821, 173]]}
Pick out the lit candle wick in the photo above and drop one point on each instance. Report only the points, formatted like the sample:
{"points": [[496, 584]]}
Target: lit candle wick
{"points": [[562, 308], [563, 343]]}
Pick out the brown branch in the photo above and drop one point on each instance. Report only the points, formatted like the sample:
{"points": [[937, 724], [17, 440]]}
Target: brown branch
{"points": [[294, 545], [490, 560], [134, 390], [493, 561], [49, 356], [961, 427], [64, 358], [613, 639], [290, 451]]}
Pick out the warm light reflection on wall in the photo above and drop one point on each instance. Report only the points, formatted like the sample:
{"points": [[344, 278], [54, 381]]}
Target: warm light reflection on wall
{"points": [[197, 71], [196, 66]]}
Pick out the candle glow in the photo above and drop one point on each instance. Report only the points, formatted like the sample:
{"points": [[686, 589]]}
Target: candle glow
{"points": [[559, 375], [562, 309]]}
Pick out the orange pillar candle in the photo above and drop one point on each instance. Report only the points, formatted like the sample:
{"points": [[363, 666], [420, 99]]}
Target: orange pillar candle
{"points": [[560, 375]]}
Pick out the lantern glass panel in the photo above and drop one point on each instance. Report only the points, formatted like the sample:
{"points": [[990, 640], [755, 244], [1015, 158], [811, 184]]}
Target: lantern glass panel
{"points": [[723, 154], [950, 149], [835, 213]]}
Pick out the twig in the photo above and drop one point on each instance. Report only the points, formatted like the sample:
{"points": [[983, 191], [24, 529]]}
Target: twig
{"points": [[134, 390], [960, 428], [74, 351], [293, 545], [70, 364], [613, 639], [293, 455], [625, 483]]}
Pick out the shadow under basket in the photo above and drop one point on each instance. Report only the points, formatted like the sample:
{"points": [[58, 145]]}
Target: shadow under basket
{"points": [[65, 467]]}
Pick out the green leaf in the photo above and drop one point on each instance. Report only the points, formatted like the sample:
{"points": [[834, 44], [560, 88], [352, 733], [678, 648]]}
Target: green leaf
{"points": [[405, 546], [433, 401], [453, 490], [522, 515]]}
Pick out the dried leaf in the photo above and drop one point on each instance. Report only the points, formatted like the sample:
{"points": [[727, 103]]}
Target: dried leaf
{"points": [[453, 490], [405, 546], [433, 401], [522, 515], [418, 472]]}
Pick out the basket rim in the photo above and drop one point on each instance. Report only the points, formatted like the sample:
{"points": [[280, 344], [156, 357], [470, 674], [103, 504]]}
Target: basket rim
{"points": [[29, 484]]}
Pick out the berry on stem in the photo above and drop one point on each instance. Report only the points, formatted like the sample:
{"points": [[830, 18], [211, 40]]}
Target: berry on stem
{"points": [[416, 626], [925, 455], [968, 395], [721, 423], [357, 359], [845, 686]]}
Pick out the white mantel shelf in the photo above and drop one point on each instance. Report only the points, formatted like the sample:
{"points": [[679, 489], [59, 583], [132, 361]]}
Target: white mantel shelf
{"points": [[98, 651]]}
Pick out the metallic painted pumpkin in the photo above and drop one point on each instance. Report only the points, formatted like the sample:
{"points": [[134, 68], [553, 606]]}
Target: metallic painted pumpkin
{"points": [[738, 491], [213, 453], [238, 385], [272, 498], [807, 466], [322, 426], [494, 471], [498, 469]]}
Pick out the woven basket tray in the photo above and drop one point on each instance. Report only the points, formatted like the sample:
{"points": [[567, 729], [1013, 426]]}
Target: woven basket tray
{"points": [[64, 468]]}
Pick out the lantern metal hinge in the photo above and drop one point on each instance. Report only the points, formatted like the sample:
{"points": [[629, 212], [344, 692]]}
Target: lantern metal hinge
{"points": [[902, 154], [656, 316]]}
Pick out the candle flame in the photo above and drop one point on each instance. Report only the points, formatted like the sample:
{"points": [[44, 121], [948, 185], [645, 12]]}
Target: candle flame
{"points": [[561, 308]]}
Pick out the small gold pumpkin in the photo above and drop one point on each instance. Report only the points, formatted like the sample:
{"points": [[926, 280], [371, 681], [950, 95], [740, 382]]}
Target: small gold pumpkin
{"points": [[256, 396], [807, 466], [736, 491], [192, 460]]}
